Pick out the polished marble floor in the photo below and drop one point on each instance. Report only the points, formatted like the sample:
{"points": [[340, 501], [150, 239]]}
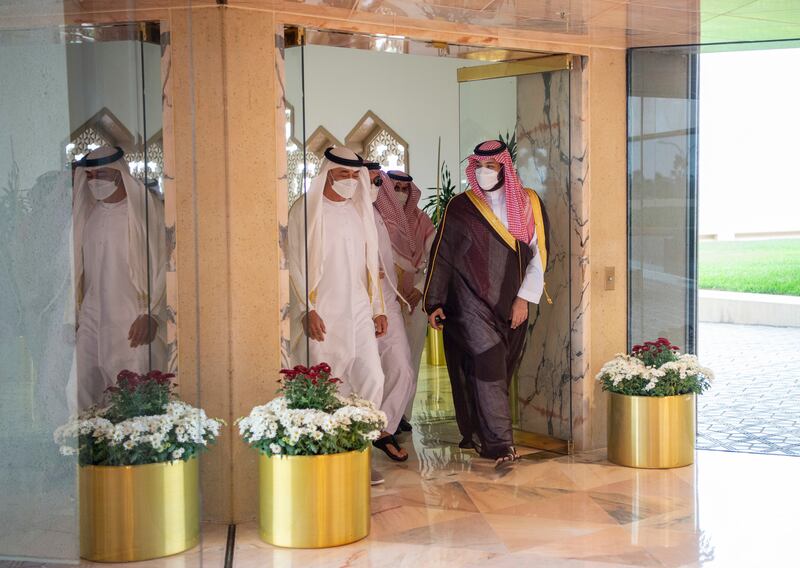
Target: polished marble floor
{"points": [[447, 508]]}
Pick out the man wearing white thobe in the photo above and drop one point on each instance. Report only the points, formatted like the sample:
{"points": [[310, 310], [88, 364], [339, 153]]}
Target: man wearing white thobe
{"points": [[121, 302], [337, 306]]}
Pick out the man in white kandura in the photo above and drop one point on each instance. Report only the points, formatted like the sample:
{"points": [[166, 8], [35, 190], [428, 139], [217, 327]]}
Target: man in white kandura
{"points": [[393, 347], [120, 270], [337, 306], [412, 233]]}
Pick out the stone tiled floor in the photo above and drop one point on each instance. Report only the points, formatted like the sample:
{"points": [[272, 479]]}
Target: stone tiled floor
{"points": [[754, 404]]}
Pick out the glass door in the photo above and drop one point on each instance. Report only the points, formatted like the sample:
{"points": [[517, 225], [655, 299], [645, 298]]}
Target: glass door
{"points": [[662, 195], [526, 104]]}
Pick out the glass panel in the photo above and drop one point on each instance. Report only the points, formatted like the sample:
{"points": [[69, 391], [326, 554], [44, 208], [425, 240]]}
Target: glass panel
{"points": [[84, 253], [531, 113], [662, 161], [302, 165], [37, 485]]}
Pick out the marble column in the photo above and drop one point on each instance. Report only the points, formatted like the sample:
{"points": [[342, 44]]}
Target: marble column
{"points": [[543, 162]]}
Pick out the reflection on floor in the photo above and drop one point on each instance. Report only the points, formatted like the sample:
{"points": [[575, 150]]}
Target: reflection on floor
{"points": [[445, 508], [434, 400], [754, 403]]}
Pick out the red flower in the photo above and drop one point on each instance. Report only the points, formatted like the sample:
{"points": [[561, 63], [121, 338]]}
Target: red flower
{"points": [[663, 341], [675, 348], [333, 380]]}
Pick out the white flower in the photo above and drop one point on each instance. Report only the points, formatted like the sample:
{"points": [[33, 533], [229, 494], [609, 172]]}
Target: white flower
{"points": [[275, 448], [178, 454]]}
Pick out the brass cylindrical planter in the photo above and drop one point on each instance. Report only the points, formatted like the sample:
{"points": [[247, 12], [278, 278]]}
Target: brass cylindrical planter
{"points": [[140, 512], [435, 348], [314, 501], [651, 431]]}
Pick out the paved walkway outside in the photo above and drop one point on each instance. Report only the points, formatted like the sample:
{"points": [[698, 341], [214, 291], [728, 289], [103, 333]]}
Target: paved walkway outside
{"points": [[754, 404]]}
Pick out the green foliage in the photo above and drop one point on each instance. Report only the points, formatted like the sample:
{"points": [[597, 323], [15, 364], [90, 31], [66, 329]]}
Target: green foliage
{"points": [[510, 141], [770, 266], [310, 388], [139, 395], [436, 203], [311, 418], [655, 369], [143, 424]]}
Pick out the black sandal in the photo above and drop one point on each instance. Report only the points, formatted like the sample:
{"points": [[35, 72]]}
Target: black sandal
{"points": [[405, 425], [389, 440]]}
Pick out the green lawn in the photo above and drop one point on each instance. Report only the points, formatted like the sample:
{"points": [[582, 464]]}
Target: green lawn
{"points": [[763, 267]]}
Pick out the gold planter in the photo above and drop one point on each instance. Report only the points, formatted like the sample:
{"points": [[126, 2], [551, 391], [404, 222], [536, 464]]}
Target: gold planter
{"points": [[435, 348], [131, 513], [651, 431], [314, 501]]}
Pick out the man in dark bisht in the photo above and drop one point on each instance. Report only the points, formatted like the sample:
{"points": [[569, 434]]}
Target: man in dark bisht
{"points": [[487, 264]]}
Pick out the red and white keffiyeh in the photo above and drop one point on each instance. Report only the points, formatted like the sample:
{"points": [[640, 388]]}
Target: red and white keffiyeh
{"points": [[520, 213], [409, 227]]}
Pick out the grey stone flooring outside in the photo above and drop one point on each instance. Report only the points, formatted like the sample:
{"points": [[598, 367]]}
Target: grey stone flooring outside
{"points": [[754, 404]]}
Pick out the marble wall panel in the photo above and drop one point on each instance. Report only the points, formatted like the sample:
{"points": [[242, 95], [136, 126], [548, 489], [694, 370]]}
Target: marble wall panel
{"points": [[170, 207], [543, 162], [282, 191]]}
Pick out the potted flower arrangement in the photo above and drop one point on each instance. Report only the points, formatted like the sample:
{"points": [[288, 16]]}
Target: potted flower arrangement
{"points": [[139, 495], [651, 412], [314, 469]]}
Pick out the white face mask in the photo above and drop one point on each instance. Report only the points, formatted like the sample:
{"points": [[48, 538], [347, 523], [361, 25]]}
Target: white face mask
{"points": [[402, 197], [345, 187], [373, 192], [102, 188], [487, 178]]}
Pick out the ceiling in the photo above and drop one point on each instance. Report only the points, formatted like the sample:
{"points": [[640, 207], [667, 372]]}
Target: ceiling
{"points": [[612, 23], [601, 23]]}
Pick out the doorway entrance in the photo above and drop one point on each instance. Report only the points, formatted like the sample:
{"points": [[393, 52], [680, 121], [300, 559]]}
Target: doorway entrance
{"points": [[421, 107]]}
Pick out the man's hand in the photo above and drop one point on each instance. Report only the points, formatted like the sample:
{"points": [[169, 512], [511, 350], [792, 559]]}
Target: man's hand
{"points": [[381, 325], [519, 312], [143, 331], [413, 298], [439, 313], [315, 327]]}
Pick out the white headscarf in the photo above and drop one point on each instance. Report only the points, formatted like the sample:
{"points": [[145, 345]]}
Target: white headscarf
{"points": [[305, 226], [143, 209]]}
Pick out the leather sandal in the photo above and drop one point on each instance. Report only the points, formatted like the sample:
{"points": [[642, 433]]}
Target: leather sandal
{"points": [[389, 440]]}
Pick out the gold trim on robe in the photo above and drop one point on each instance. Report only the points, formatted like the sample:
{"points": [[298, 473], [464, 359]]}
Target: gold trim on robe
{"points": [[496, 224]]}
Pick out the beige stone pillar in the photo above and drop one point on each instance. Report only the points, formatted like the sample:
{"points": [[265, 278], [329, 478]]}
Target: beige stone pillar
{"points": [[227, 234], [608, 224]]}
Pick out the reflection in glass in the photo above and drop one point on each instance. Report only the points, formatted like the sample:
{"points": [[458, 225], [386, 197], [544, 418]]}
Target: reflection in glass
{"points": [[120, 265], [662, 185], [82, 255]]}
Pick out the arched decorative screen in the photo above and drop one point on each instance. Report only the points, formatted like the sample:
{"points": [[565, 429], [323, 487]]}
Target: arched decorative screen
{"points": [[106, 129], [377, 142], [387, 150], [295, 167]]}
